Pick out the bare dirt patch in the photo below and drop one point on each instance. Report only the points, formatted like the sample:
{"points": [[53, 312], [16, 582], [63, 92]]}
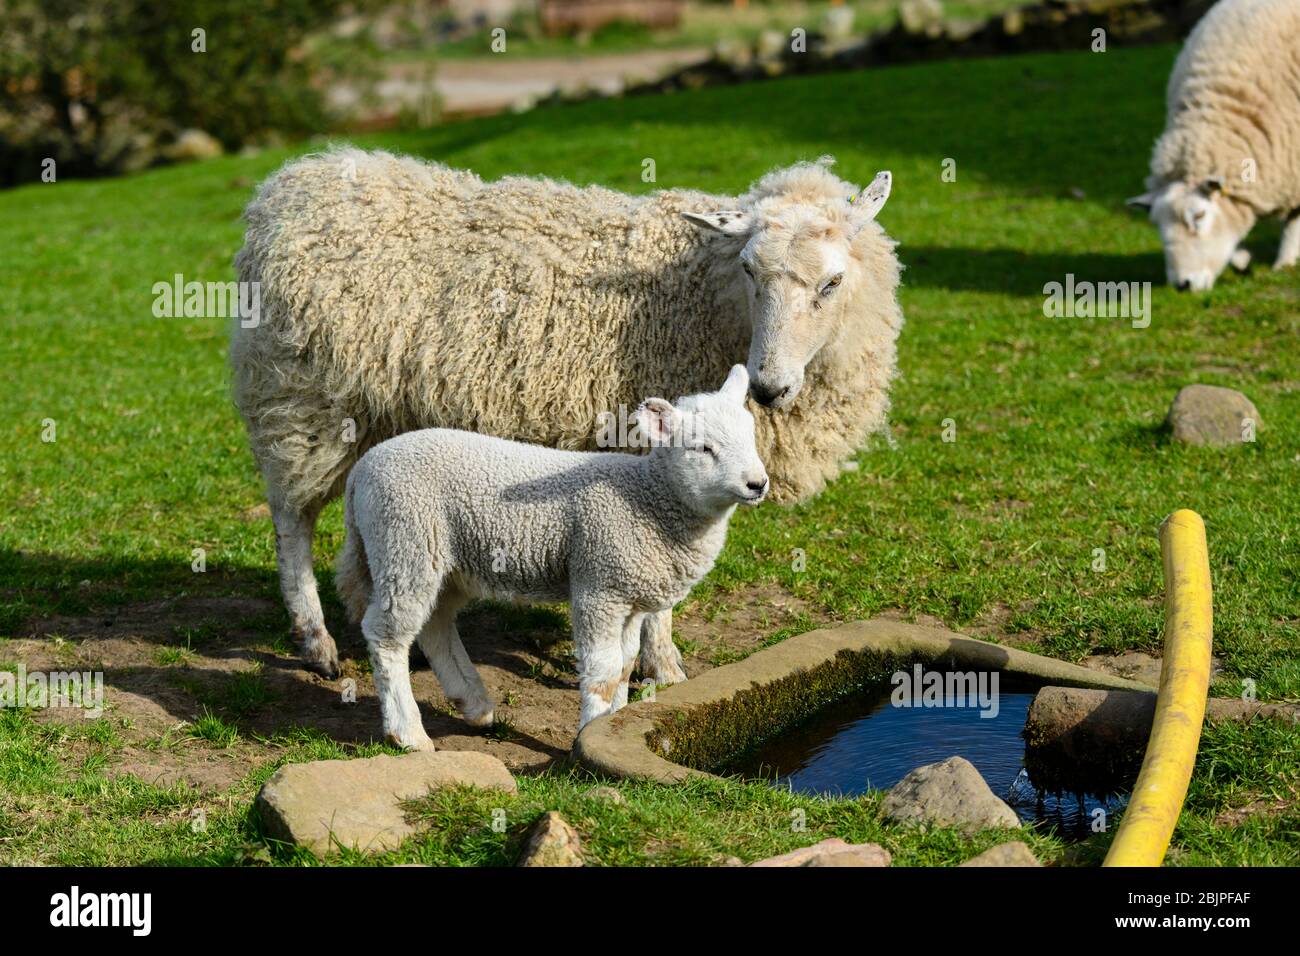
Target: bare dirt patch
{"points": [[167, 664]]}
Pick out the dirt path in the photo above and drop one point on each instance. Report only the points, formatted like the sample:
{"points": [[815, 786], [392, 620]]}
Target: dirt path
{"points": [[492, 84]]}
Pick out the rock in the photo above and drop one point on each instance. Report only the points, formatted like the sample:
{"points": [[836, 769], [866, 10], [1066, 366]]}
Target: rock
{"points": [[920, 16], [1214, 416], [552, 842], [1081, 740], [1014, 853], [607, 795], [356, 803], [771, 43], [733, 52], [837, 24], [951, 793], [1134, 665], [961, 29], [193, 144], [831, 852]]}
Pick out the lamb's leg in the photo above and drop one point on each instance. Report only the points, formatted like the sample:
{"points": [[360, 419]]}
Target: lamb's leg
{"points": [[460, 680], [598, 642], [631, 646], [1288, 252], [661, 661], [390, 634], [293, 534]]}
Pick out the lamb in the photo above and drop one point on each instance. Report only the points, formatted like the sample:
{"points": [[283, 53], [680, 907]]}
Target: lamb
{"points": [[1230, 152], [398, 294], [436, 517]]}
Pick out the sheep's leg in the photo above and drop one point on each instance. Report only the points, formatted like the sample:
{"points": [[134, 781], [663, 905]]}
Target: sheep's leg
{"points": [[598, 628], [293, 534], [1288, 252], [460, 680], [390, 634], [631, 646], [661, 661]]}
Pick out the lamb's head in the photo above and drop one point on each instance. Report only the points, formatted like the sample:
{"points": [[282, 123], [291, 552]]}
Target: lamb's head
{"points": [[1201, 228], [798, 244], [707, 444]]}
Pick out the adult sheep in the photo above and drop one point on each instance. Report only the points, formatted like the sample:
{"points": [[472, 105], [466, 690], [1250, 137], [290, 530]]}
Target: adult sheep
{"points": [[1230, 152], [398, 294]]}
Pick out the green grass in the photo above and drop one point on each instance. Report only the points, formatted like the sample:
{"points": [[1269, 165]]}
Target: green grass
{"points": [[1059, 449]]}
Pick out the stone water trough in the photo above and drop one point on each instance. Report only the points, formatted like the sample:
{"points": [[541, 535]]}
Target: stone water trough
{"points": [[694, 728]]}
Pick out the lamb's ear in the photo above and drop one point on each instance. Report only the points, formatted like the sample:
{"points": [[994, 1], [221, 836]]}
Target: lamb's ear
{"points": [[656, 420], [1144, 201], [736, 385], [872, 199], [729, 222]]}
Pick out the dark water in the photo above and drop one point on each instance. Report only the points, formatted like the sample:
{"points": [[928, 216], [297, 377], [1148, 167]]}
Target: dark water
{"points": [[865, 743]]}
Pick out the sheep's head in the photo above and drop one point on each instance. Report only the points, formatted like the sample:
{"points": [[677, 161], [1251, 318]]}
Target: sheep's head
{"points": [[1201, 228], [708, 442], [796, 238]]}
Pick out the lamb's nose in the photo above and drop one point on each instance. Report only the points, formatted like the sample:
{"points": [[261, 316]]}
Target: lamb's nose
{"points": [[766, 396], [757, 486]]}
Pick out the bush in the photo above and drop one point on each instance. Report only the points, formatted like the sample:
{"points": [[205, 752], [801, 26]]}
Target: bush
{"points": [[100, 85]]}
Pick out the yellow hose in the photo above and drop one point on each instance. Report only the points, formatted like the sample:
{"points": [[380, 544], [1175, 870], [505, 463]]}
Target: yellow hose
{"points": [[1161, 787]]}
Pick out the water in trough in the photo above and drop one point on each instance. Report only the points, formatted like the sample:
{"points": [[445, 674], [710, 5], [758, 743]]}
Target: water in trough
{"points": [[863, 743]]}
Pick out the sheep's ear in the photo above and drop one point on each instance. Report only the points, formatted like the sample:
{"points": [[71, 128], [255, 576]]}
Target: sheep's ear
{"points": [[656, 420], [729, 222], [737, 384], [872, 199], [1211, 186], [1144, 201]]}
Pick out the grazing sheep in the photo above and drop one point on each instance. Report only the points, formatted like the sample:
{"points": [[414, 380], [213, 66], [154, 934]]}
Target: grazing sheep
{"points": [[436, 517], [398, 294], [1230, 152]]}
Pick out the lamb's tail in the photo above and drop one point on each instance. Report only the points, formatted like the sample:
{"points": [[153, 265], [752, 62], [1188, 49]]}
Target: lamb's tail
{"points": [[352, 577]]}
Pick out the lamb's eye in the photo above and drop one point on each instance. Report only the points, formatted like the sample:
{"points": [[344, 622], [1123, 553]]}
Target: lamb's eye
{"points": [[749, 270], [706, 449], [832, 284]]}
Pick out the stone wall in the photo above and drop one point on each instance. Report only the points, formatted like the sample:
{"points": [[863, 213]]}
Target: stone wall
{"points": [[925, 32]]}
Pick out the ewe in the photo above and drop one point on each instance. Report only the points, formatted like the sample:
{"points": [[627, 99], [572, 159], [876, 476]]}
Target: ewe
{"points": [[1230, 152], [398, 294], [437, 517]]}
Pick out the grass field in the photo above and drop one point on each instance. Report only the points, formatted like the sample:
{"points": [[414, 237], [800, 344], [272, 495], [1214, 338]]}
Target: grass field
{"points": [[1059, 448]]}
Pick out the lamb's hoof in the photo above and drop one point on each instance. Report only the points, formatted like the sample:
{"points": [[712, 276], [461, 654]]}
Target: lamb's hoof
{"points": [[422, 743], [668, 675], [1283, 264], [320, 654], [483, 716], [326, 667]]}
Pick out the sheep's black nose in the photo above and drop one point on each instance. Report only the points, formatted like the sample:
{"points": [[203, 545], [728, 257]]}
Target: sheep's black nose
{"points": [[756, 486], [1184, 285], [766, 396]]}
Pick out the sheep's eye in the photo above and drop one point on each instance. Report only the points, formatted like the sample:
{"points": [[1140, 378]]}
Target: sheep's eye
{"points": [[706, 449], [749, 270], [831, 285]]}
